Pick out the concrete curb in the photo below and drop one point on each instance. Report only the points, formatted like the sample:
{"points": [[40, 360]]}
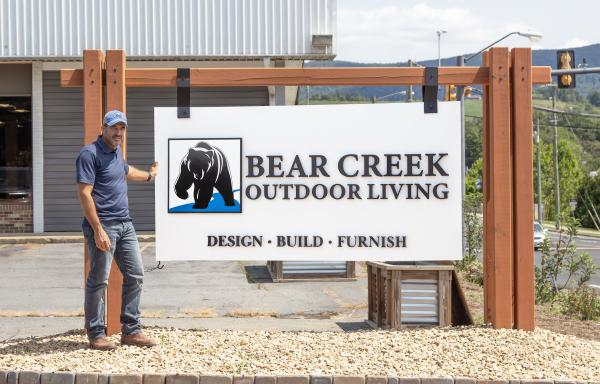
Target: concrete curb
{"points": [[58, 239], [581, 233], [32, 377]]}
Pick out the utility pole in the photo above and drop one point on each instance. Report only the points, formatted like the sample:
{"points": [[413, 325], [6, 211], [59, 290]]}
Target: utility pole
{"points": [[460, 61], [539, 171], [556, 180], [460, 89]]}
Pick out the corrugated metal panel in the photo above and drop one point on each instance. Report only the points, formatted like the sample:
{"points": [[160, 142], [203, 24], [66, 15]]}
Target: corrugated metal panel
{"points": [[419, 302], [47, 29], [63, 137], [314, 267]]}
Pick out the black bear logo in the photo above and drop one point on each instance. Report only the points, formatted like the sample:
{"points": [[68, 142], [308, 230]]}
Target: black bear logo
{"points": [[206, 167]]}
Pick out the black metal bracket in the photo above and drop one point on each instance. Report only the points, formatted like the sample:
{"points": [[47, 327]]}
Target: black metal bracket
{"points": [[183, 93], [430, 90]]}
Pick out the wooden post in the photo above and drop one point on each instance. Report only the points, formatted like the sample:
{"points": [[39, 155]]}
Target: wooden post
{"points": [[115, 99], [115, 86], [370, 292], [396, 293], [388, 298], [350, 269], [487, 212], [445, 298], [499, 227], [380, 297], [93, 63], [524, 283]]}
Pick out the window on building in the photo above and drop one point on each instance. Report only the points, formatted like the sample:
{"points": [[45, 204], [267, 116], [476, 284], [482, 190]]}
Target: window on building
{"points": [[15, 148]]}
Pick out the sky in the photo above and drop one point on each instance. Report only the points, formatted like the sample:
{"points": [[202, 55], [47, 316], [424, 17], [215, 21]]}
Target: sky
{"points": [[397, 30]]}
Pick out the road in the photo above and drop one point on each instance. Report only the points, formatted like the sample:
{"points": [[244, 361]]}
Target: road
{"points": [[587, 244]]}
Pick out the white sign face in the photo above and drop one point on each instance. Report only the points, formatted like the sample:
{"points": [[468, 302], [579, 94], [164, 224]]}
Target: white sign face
{"points": [[319, 182]]}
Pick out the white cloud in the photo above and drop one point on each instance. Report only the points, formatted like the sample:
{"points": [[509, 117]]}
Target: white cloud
{"points": [[395, 33], [575, 42]]}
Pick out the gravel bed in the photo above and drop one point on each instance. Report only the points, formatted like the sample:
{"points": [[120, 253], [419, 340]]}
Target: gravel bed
{"points": [[476, 352]]}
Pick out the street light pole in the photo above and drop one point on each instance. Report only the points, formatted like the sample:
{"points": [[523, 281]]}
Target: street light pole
{"points": [[532, 36], [439, 35], [461, 60]]}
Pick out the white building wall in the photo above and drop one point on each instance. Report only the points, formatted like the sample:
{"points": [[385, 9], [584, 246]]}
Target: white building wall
{"points": [[59, 29]]}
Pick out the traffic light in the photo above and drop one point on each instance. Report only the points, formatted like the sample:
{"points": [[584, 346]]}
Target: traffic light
{"points": [[565, 60], [450, 92]]}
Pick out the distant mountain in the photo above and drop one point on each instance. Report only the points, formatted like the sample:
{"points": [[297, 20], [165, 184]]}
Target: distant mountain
{"points": [[542, 57]]}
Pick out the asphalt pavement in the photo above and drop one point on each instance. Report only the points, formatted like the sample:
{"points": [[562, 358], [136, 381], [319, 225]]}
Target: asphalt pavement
{"points": [[45, 282]]}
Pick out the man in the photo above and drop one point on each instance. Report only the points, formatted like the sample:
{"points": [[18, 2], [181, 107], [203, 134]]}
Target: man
{"points": [[102, 176]]}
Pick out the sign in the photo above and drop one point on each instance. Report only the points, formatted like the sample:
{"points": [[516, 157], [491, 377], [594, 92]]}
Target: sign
{"points": [[319, 182]]}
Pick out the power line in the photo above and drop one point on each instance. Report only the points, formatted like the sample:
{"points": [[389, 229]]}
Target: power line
{"points": [[551, 110], [580, 127], [574, 127]]}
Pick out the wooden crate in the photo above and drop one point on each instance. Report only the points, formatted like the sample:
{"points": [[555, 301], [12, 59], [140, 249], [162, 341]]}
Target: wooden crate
{"points": [[279, 273], [402, 296]]}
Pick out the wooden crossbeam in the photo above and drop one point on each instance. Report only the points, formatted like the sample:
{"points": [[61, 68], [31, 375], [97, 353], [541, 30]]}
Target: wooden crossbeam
{"points": [[251, 77]]}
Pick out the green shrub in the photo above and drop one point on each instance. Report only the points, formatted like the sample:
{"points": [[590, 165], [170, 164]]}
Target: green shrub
{"points": [[560, 258], [583, 303], [470, 264]]}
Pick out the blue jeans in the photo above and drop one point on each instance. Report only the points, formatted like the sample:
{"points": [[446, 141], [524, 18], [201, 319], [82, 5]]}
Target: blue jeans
{"points": [[125, 248]]}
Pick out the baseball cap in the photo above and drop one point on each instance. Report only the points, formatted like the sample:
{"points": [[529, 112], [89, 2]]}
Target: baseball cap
{"points": [[114, 117]]}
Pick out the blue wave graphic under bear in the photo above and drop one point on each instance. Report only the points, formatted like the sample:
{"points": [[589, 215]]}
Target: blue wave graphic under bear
{"points": [[217, 204]]}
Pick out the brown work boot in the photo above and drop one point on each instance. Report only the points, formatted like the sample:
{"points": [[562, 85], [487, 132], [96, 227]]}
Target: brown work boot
{"points": [[102, 344], [138, 340]]}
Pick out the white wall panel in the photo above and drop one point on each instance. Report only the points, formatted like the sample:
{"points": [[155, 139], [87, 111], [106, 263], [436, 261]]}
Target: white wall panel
{"points": [[49, 29]]}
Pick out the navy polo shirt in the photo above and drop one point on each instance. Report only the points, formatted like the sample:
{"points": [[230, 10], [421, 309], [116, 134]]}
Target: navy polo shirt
{"points": [[106, 170]]}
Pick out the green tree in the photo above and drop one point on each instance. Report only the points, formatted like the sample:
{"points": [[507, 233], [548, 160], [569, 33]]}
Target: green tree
{"points": [[474, 178], [473, 141], [570, 175], [594, 98], [588, 195]]}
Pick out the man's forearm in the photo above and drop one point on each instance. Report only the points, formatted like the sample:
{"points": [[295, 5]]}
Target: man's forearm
{"points": [[137, 174], [89, 211]]}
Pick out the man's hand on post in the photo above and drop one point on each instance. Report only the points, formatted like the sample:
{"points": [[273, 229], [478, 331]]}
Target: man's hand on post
{"points": [[153, 171]]}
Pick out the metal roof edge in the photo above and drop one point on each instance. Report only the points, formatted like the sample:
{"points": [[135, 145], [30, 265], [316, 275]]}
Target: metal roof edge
{"points": [[14, 59]]}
